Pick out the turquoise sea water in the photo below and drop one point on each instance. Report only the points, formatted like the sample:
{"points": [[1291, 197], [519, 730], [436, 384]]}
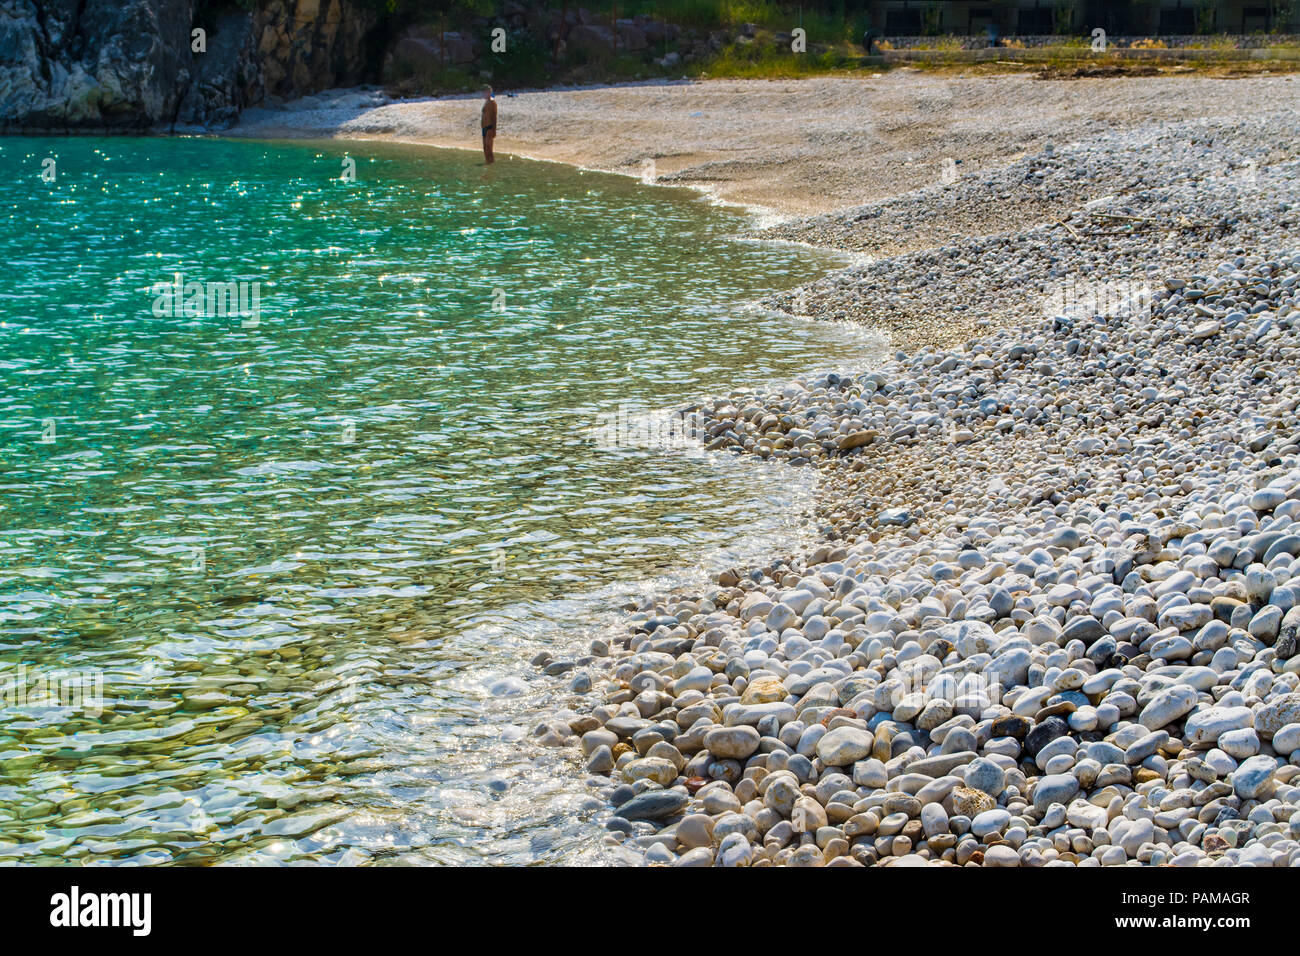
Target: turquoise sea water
{"points": [[269, 582]]}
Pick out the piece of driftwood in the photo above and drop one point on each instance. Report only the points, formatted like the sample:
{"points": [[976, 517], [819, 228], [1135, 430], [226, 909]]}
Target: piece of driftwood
{"points": [[1069, 228]]}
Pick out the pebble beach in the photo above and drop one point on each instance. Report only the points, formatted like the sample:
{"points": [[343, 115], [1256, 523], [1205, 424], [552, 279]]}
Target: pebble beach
{"points": [[1052, 615]]}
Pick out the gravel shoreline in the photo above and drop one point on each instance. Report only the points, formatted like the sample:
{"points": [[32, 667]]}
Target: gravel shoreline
{"points": [[1054, 617], [1054, 620]]}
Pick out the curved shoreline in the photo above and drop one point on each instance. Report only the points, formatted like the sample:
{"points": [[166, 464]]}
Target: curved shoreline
{"points": [[801, 148], [1083, 666], [1050, 622]]}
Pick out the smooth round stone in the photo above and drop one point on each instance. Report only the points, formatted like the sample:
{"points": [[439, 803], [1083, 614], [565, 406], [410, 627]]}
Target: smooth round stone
{"points": [[698, 678], [661, 771], [1220, 762], [734, 850], [700, 856], [781, 792], [1202, 678], [1207, 726], [1055, 788], [780, 617], [764, 690], [986, 775], [934, 819], [1044, 733], [892, 824], [1085, 815], [1266, 624], [801, 767], [1169, 705], [1254, 778], [1086, 771], [660, 855], [1066, 537], [844, 746], [1003, 746], [935, 713], [1107, 716], [739, 714], [719, 800], [601, 760], [1287, 740], [1001, 855], [1083, 719], [1266, 499], [667, 751], [1054, 817], [959, 739], [1113, 856], [732, 743], [1260, 583], [1059, 746], [1240, 744], [595, 738], [1287, 544], [1061, 763], [730, 823], [653, 805], [990, 822], [695, 830], [1010, 726], [816, 628], [871, 774], [808, 740], [1145, 747]]}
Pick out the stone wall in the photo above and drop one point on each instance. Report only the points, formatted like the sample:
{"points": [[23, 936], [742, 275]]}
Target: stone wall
{"points": [[1253, 41]]}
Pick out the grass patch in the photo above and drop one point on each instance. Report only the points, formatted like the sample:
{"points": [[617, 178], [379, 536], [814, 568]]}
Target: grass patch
{"points": [[766, 57], [834, 24]]}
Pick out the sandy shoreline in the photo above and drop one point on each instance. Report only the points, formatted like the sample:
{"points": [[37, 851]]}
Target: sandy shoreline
{"points": [[799, 148]]}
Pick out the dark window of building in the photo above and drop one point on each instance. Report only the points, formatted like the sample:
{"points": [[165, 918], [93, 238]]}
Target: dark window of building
{"points": [[1108, 16], [1035, 22], [1254, 18], [1177, 21], [979, 19], [903, 23]]}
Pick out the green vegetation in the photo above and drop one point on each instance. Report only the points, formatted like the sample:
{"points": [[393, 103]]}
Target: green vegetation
{"points": [[767, 61], [752, 38], [1063, 17], [825, 22]]}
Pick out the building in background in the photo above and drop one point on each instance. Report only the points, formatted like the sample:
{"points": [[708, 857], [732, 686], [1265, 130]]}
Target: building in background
{"points": [[1116, 17]]}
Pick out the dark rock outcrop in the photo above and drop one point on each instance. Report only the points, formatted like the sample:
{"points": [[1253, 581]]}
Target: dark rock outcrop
{"points": [[115, 64], [227, 77], [306, 46], [135, 64]]}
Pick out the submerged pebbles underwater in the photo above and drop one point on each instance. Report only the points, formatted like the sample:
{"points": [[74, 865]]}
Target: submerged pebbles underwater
{"points": [[1054, 617]]}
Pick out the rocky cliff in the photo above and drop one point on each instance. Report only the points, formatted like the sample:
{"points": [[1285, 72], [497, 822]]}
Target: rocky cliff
{"points": [[138, 64]]}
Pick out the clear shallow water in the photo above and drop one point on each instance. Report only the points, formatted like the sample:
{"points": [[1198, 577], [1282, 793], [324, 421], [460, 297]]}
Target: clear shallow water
{"points": [[301, 563]]}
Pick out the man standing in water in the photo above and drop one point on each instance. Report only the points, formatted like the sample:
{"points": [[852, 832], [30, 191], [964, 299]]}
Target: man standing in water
{"points": [[489, 123]]}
